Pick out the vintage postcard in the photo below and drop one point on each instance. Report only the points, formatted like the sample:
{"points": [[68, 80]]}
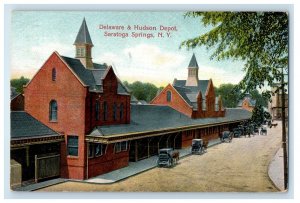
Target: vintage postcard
{"points": [[149, 101]]}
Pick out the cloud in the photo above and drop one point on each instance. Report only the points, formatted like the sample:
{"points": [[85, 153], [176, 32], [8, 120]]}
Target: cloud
{"points": [[147, 56], [31, 60], [42, 52]]}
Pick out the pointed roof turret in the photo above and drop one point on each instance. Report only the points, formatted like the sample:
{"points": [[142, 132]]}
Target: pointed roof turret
{"points": [[83, 36], [193, 62], [193, 68]]}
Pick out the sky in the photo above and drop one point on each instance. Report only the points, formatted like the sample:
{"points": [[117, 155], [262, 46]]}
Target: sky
{"points": [[35, 35]]}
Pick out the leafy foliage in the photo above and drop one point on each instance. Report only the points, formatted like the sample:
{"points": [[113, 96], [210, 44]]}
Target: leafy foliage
{"points": [[142, 91], [229, 95], [259, 114], [19, 83], [258, 38]]}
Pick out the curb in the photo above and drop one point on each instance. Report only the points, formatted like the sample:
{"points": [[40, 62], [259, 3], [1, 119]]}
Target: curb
{"points": [[81, 181], [269, 167]]}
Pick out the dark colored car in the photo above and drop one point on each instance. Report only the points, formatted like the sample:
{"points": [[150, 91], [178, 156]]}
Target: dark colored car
{"points": [[198, 146], [226, 136], [167, 157]]}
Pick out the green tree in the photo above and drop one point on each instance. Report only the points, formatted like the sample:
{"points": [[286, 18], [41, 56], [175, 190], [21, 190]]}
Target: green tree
{"points": [[230, 96], [258, 114], [142, 91], [260, 99], [260, 39], [19, 83]]}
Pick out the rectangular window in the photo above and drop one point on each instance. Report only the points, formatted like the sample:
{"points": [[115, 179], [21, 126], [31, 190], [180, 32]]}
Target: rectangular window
{"points": [[104, 111], [97, 111], [203, 104], [72, 145], [91, 150], [95, 149], [121, 146]]}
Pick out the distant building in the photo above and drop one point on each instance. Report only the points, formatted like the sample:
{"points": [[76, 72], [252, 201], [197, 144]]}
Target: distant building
{"points": [[193, 97], [275, 106], [16, 100], [247, 103]]}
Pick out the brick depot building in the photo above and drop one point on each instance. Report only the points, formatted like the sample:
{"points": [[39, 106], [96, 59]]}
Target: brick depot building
{"points": [[102, 131]]}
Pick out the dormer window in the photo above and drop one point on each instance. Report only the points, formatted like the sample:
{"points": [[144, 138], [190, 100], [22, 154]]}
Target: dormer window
{"points": [[53, 74]]}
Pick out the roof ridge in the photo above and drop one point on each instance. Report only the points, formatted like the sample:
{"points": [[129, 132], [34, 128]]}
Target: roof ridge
{"points": [[83, 35]]}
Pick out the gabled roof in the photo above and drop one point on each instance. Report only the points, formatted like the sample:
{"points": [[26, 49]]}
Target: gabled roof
{"points": [[252, 102], [91, 77], [83, 36], [190, 93], [23, 125], [154, 118], [193, 62]]}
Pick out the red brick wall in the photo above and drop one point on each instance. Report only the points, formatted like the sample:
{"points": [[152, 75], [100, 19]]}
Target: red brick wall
{"points": [[17, 104], [70, 96], [177, 102], [107, 162], [109, 96], [210, 105], [187, 137]]}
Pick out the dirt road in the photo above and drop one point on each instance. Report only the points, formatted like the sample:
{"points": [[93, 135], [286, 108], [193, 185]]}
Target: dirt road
{"points": [[240, 166]]}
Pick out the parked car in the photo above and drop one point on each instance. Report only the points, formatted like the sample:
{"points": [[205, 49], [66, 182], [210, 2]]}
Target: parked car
{"points": [[237, 132], [167, 157], [226, 136], [198, 146]]}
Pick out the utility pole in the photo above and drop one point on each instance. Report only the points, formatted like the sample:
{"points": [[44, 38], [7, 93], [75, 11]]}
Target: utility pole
{"points": [[281, 88], [284, 144]]}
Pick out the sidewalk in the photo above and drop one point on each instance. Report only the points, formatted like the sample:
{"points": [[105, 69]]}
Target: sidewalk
{"points": [[132, 169], [138, 167], [276, 170]]}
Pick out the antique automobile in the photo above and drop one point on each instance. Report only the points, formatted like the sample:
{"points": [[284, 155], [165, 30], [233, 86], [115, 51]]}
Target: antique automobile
{"points": [[226, 136], [237, 132], [198, 146], [263, 130], [167, 157]]}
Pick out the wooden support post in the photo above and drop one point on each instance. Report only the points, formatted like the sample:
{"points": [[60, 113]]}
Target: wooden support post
{"points": [[168, 140], [158, 143], [136, 151], [35, 169], [175, 139], [27, 156]]}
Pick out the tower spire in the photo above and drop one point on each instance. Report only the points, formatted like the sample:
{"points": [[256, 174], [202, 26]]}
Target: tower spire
{"points": [[84, 44], [193, 68]]}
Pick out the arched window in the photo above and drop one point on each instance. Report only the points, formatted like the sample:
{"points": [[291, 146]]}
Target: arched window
{"points": [[104, 111], [53, 74], [169, 95], [115, 112], [97, 109], [53, 110], [121, 111]]}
